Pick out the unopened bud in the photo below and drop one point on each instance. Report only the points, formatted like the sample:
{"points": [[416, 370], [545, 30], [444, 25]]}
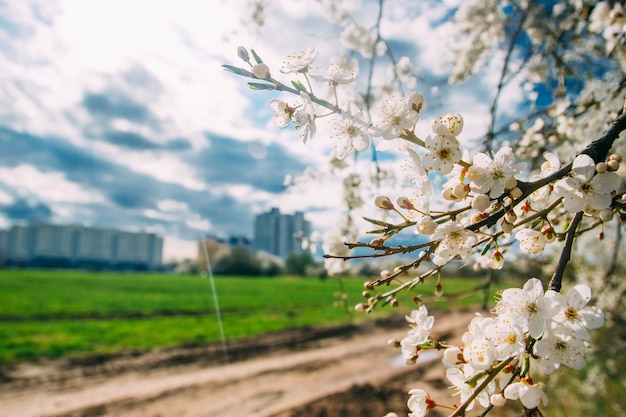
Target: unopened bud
{"points": [[515, 193], [548, 233], [601, 167], [379, 241], [368, 285], [507, 227], [359, 308], [261, 71], [615, 157], [461, 191], [394, 343], [481, 202], [384, 274], [405, 203], [394, 302], [417, 101], [438, 290], [606, 215], [601, 235], [383, 202], [366, 294], [510, 216], [243, 54], [497, 400], [612, 165], [417, 300]]}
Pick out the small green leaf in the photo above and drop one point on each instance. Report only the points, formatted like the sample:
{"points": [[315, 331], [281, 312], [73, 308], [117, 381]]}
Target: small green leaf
{"points": [[486, 248], [377, 222], [238, 71], [376, 232], [262, 86], [256, 57], [299, 86]]}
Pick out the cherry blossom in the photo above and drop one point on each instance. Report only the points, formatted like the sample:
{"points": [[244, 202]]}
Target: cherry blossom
{"points": [[338, 73], [454, 240], [349, 135], [282, 113], [531, 241], [496, 175], [530, 302], [586, 188], [395, 116], [417, 403], [459, 378], [448, 124], [559, 345], [299, 63], [420, 184], [304, 119], [421, 324], [443, 151], [530, 395], [576, 315], [506, 334]]}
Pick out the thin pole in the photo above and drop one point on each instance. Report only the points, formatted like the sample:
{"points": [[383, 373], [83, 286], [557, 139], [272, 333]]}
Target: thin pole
{"points": [[215, 301]]}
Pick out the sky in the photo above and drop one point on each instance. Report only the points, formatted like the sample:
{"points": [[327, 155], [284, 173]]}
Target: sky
{"points": [[118, 113]]}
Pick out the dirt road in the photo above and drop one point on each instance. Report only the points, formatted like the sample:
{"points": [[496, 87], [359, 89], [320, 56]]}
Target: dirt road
{"points": [[280, 377]]}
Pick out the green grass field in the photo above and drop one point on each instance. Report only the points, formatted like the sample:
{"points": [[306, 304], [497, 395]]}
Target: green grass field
{"points": [[51, 314]]}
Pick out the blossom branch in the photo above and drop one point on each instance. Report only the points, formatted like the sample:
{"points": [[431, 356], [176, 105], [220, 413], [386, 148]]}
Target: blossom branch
{"points": [[555, 281]]}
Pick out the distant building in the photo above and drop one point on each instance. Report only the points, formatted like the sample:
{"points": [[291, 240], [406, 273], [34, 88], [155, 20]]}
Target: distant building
{"points": [[47, 245], [280, 234]]}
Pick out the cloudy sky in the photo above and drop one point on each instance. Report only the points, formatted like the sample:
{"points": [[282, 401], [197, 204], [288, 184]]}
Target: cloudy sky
{"points": [[117, 113]]}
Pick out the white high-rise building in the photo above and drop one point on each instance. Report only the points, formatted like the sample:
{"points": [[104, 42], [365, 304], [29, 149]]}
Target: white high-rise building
{"points": [[38, 244], [280, 234]]}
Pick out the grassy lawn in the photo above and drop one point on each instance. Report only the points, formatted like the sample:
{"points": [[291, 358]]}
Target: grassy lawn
{"points": [[51, 314]]}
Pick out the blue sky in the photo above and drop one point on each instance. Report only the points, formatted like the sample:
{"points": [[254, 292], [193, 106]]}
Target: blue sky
{"points": [[118, 113]]}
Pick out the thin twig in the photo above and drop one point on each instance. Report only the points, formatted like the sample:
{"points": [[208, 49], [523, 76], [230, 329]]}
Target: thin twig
{"points": [[566, 253]]}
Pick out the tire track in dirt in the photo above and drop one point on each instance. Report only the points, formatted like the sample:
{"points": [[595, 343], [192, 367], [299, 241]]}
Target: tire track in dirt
{"points": [[264, 386]]}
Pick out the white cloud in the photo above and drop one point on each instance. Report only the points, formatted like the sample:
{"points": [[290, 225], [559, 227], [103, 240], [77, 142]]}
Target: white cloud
{"points": [[54, 187]]}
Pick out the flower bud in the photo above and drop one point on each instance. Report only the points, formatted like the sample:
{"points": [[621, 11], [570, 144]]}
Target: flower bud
{"points": [[510, 216], [417, 101], [393, 343], [606, 215], [384, 274], [615, 157], [366, 294], [497, 400], [448, 194], [461, 190], [261, 71], [368, 285], [506, 227], [612, 165], [438, 290], [405, 203], [481, 202], [359, 308], [383, 202], [379, 241], [601, 167], [548, 233], [515, 193], [243, 54], [394, 302]]}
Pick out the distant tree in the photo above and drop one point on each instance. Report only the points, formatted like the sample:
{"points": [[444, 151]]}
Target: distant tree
{"points": [[297, 263]]}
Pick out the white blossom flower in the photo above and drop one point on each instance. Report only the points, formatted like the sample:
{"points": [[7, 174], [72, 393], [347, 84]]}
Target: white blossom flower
{"points": [[418, 179], [530, 302], [349, 134], [338, 73], [552, 164], [507, 335], [417, 403], [443, 152], [459, 378], [304, 118], [395, 116], [531, 241], [282, 113], [454, 240], [478, 350], [453, 357], [495, 175], [559, 345], [358, 38], [301, 62], [531, 395], [586, 188], [421, 324], [448, 124], [576, 315]]}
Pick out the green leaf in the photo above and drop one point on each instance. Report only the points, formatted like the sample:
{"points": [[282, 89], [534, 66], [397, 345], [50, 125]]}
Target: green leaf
{"points": [[238, 71], [262, 86], [256, 57], [299, 86], [377, 222], [486, 248], [376, 232]]}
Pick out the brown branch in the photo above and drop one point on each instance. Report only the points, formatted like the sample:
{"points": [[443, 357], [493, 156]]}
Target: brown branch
{"points": [[566, 253]]}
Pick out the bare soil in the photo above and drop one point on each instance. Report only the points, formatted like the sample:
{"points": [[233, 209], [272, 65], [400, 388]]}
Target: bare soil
{"points": [[315, 372]]}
